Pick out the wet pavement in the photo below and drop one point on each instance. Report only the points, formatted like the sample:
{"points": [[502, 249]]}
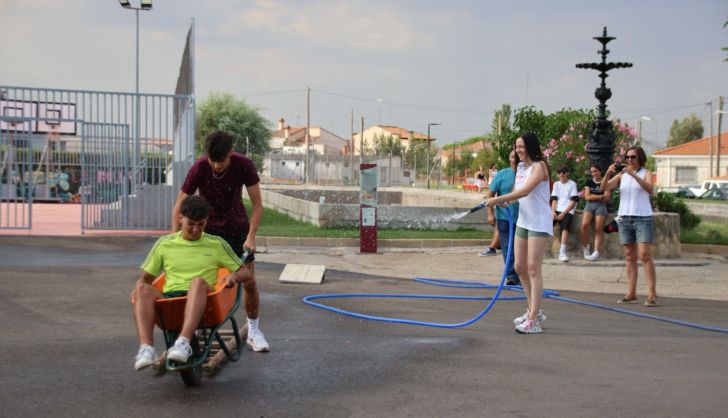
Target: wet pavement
{"points": [[69, 340]]}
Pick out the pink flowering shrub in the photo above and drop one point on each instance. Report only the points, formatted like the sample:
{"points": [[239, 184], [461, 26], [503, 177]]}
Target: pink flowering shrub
{"points": [[570, 149]]}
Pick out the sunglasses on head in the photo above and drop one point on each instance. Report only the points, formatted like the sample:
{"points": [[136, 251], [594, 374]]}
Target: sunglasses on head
{"points": [[630, 157]]}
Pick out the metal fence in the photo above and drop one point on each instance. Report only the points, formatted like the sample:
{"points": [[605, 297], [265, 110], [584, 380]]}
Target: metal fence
{"points": [[331, 170], [122, 155]]}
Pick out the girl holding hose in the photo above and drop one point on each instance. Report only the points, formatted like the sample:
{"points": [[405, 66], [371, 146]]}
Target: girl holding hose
{"points": [[534, 228]]}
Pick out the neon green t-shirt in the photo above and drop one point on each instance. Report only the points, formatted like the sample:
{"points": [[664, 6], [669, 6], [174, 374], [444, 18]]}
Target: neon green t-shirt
{"points": [[184, 260]]}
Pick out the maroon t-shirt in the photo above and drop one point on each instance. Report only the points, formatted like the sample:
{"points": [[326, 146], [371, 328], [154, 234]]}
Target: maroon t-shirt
{"points": [[223, 192]]}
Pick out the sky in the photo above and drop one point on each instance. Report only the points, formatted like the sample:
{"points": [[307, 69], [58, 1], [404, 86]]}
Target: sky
{"points": [[407, 63]]}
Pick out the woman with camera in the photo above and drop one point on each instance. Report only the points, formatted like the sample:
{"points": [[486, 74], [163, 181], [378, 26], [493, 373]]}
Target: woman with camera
{"points": [[635, 220]]}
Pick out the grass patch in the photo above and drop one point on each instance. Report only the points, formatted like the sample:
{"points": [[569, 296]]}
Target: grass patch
{"points": [[711, 233], [277, 224]]}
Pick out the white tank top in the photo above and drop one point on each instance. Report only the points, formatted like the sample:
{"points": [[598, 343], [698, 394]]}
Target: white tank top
{"points": [[534, 211], [633, 199]]}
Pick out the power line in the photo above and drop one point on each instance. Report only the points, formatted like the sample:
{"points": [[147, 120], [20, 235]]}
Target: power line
{"points": [[270, 93], [412, 105]]}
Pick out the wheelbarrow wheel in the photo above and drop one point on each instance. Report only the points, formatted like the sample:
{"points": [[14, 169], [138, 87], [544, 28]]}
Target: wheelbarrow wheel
{"points": [[193, 376]]}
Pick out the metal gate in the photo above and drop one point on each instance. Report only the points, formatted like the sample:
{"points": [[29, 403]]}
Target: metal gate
{"points": [[105, 176], [123, 155], [16, 172]]}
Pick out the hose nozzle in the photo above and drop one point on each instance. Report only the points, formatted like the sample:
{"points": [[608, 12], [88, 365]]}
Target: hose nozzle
{"points": [[478, 207]]}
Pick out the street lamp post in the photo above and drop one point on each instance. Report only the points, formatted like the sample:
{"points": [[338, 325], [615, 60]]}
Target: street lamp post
{"points": [[427, 173], [654, 142], [144, 5]]}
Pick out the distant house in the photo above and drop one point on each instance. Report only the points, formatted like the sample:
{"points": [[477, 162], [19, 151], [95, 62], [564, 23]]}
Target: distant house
{"points": [[406, 136], [460, 150], [322, 141], [690, 163]]}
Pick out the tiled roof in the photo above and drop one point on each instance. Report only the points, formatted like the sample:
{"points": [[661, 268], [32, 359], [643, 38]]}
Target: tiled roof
{"points": [[404, 133], [698, 147], [280, 133]]}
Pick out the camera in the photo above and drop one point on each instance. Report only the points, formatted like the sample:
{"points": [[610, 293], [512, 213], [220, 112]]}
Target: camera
{"points": [[619, 167]]}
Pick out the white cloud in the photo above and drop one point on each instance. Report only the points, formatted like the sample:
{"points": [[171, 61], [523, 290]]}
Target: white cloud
{"points": [[335, 25]]}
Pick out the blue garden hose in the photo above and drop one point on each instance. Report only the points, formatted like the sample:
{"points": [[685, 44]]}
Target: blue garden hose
{"points": [[309, 300], [550, 294]]}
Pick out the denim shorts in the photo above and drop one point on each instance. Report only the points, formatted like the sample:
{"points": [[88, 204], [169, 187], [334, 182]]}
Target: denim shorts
{"points": [[635, 229]]}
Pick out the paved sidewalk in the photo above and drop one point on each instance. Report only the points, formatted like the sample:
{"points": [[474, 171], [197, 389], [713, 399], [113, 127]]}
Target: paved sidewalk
{"points": [[695, 276]]}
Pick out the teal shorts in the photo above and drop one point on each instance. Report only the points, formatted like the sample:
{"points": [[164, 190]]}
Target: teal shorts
{"points": [[174, 294], [527, 233]]}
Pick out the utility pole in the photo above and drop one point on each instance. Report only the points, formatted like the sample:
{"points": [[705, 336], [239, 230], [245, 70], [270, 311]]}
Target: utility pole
{"points": [[720, 120], [710, 138], [361, 141], [428, 153], [307, 172], [452, 164], [351, 151]]}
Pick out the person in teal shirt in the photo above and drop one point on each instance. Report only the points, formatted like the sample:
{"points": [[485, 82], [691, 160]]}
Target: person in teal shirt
{"points": [[501, 184], [190, 259]]}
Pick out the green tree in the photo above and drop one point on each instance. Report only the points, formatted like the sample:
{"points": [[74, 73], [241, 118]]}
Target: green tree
{"points": [[689, 129], [384, 144], [502, 136], [246, 124]]}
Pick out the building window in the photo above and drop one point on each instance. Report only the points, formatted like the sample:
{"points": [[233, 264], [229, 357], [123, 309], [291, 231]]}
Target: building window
{"points": [[297, 163], [685, 175]]}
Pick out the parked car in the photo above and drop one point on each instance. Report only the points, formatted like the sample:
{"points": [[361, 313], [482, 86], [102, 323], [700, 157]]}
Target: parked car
{"points": [[680, 191], [716, 193], [708, 185]]}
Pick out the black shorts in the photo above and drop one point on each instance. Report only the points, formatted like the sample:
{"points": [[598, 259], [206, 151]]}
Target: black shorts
{"points": [[565, 223], [236, 241]]}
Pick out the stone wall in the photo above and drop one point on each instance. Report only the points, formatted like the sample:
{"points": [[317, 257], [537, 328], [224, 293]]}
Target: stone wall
{"points": [[667, 237], [304, 205]]}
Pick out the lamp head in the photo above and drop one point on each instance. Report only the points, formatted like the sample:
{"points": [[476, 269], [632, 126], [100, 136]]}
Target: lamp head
{"points": [[125, 4], [146, 4]]}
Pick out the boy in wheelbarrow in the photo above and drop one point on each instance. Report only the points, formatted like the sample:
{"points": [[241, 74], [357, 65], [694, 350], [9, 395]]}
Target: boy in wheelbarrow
{"points": [[190, 259]]}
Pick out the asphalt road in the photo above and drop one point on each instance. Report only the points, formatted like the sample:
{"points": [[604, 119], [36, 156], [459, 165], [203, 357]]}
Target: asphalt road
{"points": [[68, 346]]}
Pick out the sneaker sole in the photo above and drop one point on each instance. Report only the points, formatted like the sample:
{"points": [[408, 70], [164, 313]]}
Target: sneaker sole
{"points": [[178, 360], [257, 349], [140, 368], [528, 332]]}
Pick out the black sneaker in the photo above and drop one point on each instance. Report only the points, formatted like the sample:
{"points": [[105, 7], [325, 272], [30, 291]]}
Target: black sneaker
{"points": [[488, 251]]}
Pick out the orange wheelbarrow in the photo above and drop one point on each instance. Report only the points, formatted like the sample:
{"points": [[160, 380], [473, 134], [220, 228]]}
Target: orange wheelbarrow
{"points": [[222, 303]]}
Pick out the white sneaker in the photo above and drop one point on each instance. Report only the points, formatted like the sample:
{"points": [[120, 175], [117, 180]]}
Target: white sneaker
{"points": [[587, 253], [145, 357], [540, 318], [180, 351], [257, 342], [528, 327], [593, 257], [563, 258]]}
